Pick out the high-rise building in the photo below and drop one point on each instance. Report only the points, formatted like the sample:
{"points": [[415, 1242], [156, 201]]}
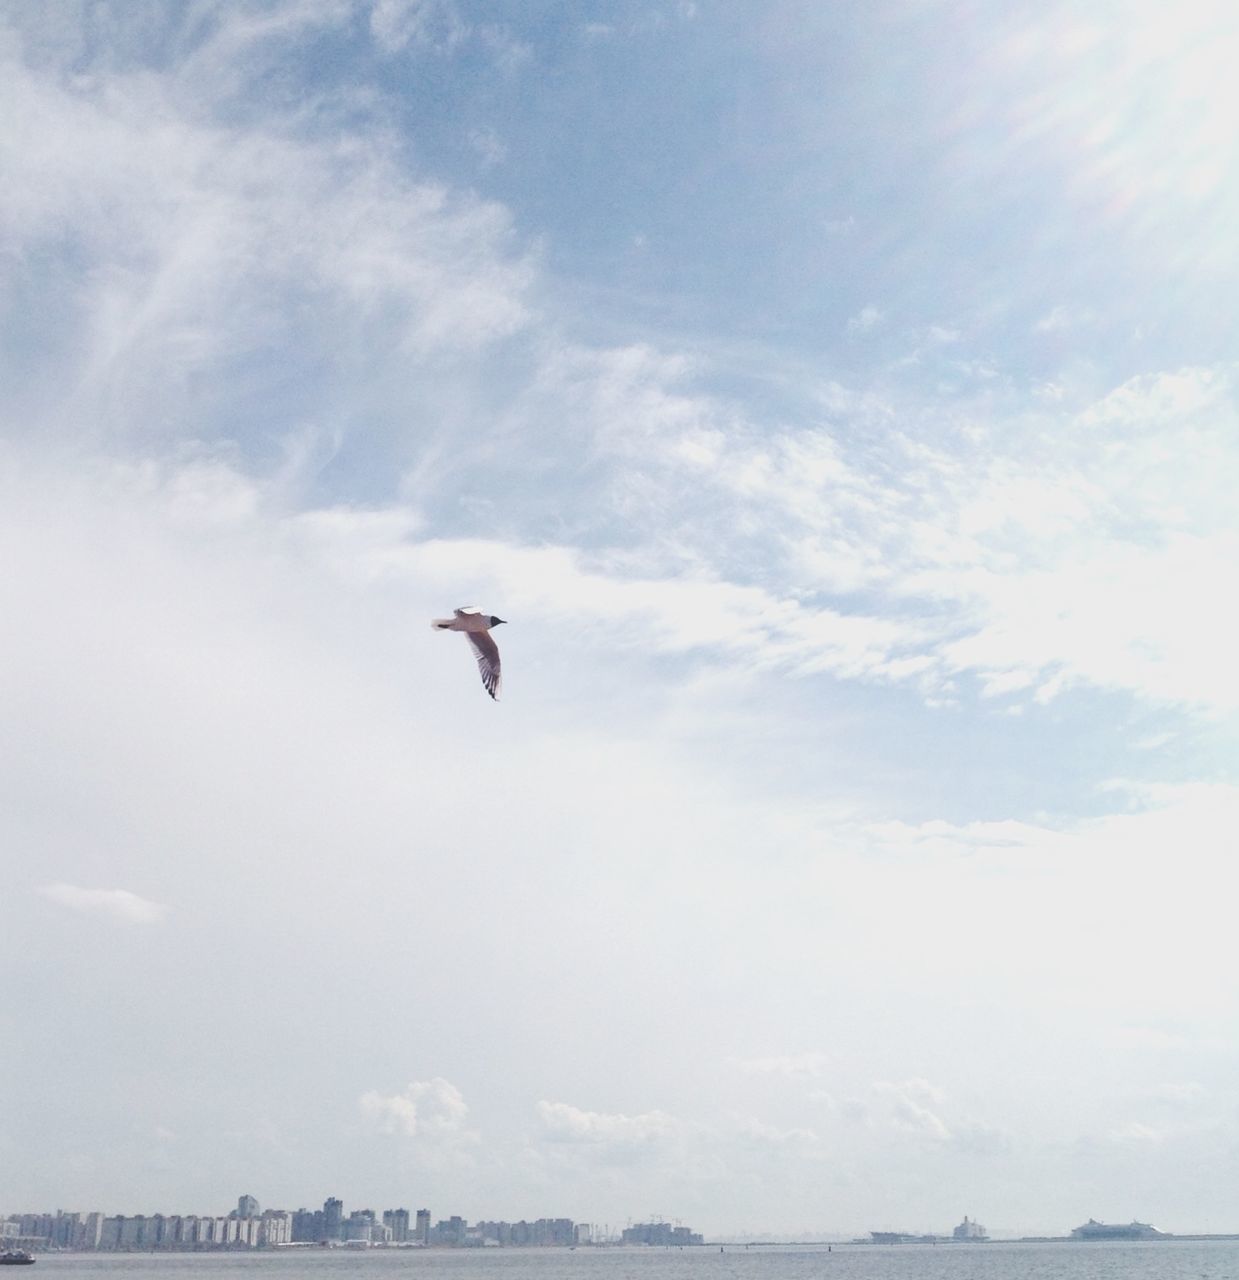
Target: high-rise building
{"points": [[398, 1221], [360, 1225], [247, 1207], [422, 1231], [277, 1227], [91, 1233], [132, 1231], [659, 1233], [308, 1226], [450, 1230], [333, 1219]]}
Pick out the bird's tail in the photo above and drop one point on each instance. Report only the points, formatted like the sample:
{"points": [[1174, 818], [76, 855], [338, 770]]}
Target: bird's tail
{"points": [[442, 624]]}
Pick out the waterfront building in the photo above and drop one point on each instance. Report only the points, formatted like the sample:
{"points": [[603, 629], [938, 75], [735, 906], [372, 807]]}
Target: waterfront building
{"points": [[555, 1231], [37, 1228], [308, 1226], [91, 1231], [545, 1231], [275, 1227], [64, 1230], [449, 1231], [247, 1207], [360, 1226], [969, 1231], [659, 1233], [398, 1222]]}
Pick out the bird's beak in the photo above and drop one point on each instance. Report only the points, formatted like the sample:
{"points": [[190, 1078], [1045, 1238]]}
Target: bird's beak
{"points": [[499, 621]]}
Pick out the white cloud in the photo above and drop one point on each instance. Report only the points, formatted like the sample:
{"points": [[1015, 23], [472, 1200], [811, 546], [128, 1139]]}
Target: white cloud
{"points": [[489, 145], [395, 24], [118, 904], [1061, 318], [1014, 565], [751, 1131], [1135, 1134], [562, 1122], [1094, 562], [198, 256], [431, 1110], [864, 320], [910, 1106], [1187, 1094]]}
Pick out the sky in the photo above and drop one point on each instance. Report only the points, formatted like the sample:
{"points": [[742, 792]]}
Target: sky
{"points": [[839, 402]]}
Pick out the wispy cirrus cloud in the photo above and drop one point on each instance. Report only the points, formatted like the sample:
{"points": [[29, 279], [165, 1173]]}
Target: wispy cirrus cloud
{"points": [[866, 541], [206, 275], [114, 904], [395, 24]]}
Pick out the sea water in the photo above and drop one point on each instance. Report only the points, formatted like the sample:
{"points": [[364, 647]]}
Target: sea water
{"points": [[1151, 1260]]}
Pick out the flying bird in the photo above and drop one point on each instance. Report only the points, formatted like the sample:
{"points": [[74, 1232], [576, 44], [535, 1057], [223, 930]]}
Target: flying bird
{"points": [[476, 625]]}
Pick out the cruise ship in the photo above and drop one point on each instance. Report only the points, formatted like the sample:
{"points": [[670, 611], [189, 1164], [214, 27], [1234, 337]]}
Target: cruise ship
{"points": [[1094, 1230]]}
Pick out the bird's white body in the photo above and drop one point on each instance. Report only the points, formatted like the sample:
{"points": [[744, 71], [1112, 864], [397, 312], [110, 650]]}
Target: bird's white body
{"points": [[465, 620], [476, 625]]}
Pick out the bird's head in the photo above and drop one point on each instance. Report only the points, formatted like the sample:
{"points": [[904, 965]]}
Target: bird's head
{"points": [[496, 622]]}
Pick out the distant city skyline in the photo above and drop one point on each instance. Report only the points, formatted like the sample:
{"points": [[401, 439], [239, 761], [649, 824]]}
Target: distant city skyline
{"points": [[251, 1226], [248, 1226]]}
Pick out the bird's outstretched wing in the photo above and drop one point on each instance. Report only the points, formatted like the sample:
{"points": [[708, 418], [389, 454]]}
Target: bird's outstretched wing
{"points": [[487, 652], [466, 608]]}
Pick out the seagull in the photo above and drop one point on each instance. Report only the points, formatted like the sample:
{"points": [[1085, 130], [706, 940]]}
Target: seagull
{"points": [[476, 625]]}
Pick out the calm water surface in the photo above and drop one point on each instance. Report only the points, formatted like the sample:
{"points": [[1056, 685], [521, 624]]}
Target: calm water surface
{"points": [[1160, 1260]]}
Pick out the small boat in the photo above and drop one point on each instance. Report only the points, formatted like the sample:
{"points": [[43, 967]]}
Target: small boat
{"points": [[16, 1258]]}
